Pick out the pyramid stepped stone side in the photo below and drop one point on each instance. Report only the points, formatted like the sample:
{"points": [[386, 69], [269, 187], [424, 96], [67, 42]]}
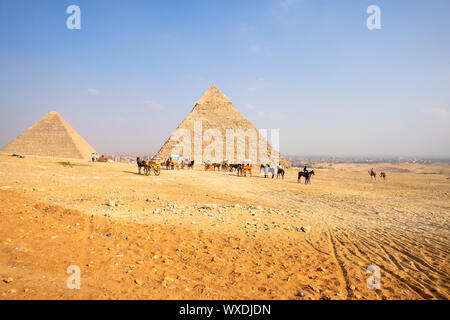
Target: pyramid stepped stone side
{"points": [[51, 136], [215, 111]]}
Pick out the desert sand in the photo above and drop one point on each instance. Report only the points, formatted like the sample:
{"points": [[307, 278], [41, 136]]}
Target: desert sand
{"points": [[192, 234]]}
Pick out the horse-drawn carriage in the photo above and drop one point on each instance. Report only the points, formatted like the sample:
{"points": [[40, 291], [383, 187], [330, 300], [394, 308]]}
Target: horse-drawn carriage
{"points": [[226, 166], [152, 165], [209, 166], [247, 167], [187, 163]]}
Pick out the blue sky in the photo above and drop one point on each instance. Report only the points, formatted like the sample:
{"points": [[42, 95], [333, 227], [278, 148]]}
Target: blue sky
{"points": [[310, 68]]}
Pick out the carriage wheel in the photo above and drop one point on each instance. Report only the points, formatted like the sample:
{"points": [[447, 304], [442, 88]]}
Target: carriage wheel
{"points": [[157, 171], [146, 171]]}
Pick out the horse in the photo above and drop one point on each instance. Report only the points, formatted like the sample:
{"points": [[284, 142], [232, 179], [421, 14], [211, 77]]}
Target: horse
{"points": [[372, 174], [383, 175], [307, 175], [300, 175], [269, 170], [280, 172], [224, 166], [190, 164], [233, 166], [261, 168], [216, 165], [308, 178], [264, 167]]}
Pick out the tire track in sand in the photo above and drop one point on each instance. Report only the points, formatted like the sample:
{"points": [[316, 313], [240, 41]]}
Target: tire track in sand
{"points": [[340, 263]]}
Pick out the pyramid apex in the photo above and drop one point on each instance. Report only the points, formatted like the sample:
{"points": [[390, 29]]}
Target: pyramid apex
{"points": [[53, 112], [213, 94]]}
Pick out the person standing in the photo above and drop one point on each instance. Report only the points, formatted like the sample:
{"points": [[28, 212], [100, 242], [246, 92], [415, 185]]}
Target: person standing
{"points": [[239, 169], [140, 164]]}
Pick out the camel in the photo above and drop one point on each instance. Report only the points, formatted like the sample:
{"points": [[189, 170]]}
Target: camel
{"points": [[372, 174]]}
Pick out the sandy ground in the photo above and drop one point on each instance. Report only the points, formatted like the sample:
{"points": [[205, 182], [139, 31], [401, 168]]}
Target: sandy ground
{"points": [[191, 234]]}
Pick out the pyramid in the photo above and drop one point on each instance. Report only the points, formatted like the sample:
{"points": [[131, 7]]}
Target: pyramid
{"points": [[215, 111], [51, 136]]}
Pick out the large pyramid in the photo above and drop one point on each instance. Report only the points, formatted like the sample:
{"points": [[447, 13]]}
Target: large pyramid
{"points": [[51, 136], [215, 111]]}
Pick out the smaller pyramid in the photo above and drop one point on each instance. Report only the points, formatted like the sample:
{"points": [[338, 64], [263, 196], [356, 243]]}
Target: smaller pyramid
{"points": [[51, 136]]}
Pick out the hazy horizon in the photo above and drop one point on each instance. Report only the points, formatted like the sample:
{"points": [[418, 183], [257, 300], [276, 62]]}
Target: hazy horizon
{"points": [[311, 69]]}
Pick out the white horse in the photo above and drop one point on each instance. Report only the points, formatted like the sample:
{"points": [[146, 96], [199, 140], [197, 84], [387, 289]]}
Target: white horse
{"points": [[267, 170]]}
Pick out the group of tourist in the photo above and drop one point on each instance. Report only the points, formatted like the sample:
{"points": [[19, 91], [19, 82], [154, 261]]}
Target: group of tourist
{"points": [[96, 158]]}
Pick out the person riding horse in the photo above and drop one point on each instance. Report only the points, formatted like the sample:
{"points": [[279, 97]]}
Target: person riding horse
{"points": [[279, 168], [373, 174], [306, 174], [280, 171]]}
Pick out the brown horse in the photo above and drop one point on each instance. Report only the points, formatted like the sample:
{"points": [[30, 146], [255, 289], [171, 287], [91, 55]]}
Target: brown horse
{"points": [[280, 172], [383, 175], [306, 175]]}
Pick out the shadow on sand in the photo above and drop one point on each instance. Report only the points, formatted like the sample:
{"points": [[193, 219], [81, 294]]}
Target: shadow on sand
{"points": [[135, 173]]}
